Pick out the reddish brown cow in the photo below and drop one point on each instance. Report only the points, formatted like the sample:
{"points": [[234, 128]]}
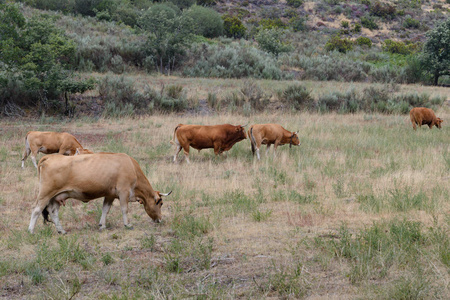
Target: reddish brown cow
{"points": [[49, 142], [424, 116], [268, 134], [219, 137]]}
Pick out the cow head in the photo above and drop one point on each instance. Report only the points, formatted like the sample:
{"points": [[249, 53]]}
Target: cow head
{"points": [[154, 211], [294, 140], [240, 130], [438, 123]]}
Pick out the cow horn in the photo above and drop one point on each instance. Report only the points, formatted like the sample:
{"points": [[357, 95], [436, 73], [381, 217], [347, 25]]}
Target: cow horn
{"points": [[245, 124], [165, 194]]}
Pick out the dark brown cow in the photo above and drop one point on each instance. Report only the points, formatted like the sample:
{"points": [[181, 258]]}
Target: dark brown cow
{"points": [[268, 134], [219, 137], [90, 176], [424, 116], [49, 142]]}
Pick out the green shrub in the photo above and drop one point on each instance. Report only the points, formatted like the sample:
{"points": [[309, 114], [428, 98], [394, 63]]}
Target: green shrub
{"points": [[271, 23], [254, 95], [337, 101], [206, 2], [294, 3], [368, 22], [236, 60], [363, 41], [411, 23], [344, 24], [233, 27], [398, 47], [172, 98], [357, 28], [183, 4], [383, 10], [297, 97], [298, 24], [207, 22], [341, 45], [269, 41]]}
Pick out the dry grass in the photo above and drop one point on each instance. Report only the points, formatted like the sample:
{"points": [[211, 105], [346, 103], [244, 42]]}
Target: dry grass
{"points": [[234, 227]]}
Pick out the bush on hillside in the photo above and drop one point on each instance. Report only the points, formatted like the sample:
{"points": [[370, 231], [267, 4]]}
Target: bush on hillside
{"points": [[411, 23], [269, 40], [369, 23], [183, 4], [336, 43], [297, 97], [383, 10], [207, 22], [363, 41], [398, 47], [298, 24], [233, 27], [236, 60], [294, 3]]}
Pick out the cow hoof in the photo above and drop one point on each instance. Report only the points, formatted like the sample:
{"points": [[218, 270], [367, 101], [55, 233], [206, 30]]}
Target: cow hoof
{"points": [[129, 227], [62, 232]]}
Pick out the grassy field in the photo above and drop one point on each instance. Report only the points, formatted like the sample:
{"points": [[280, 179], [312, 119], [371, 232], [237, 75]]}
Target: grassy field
{"points": [[359, 210]]}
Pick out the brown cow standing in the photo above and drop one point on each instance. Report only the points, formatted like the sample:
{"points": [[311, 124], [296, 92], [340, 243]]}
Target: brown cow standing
{"points": [[268, 134], [220, 137], [424, 116], [49, 142], [90, 176]]}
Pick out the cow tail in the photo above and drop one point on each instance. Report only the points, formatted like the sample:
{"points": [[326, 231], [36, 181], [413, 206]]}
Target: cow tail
{"points": [[174, 134], [252, 140]]}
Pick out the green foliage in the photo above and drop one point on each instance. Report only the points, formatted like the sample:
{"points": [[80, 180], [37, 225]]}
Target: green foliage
{"points": [[35, 60], [169, 36], [172, 98], [298, 23], [294, 3], [236, 60], [207, 22], [233, 27], [297, 97], [411, 23], [339, 44], [183, 4], [369, 22], [383, 10], [436, 51], [271, 23], [206, 2], [269, 40], [363, 41], [357, 28], [398, 47]]}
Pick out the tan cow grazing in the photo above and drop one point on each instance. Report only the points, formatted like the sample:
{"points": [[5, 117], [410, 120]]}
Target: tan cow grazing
{"points": [[268, 134], [90, 176], [47, 143], [424, 116], [220, 137]]}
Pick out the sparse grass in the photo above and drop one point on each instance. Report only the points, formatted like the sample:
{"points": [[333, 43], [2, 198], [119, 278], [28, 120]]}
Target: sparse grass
{"points": [[363, 202]]}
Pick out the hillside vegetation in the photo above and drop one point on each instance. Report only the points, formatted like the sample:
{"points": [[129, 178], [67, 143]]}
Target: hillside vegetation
{"points": [[53, 50]]}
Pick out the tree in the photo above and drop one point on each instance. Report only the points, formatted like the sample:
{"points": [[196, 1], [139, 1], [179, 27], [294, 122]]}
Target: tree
{"points": [[208, 22], [269, 41], [35, 59], [169, 35], [436, 51]]}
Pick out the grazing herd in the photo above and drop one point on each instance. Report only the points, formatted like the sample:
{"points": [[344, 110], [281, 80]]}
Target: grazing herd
{"points": [[81, 174]]}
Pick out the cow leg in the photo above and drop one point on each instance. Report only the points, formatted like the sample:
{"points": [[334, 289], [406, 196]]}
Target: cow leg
{"points": [[53, 209], [25, 155], [186, 154], [176, 153], [267, 149], [41, 204], [124, 197], [107, 203]]}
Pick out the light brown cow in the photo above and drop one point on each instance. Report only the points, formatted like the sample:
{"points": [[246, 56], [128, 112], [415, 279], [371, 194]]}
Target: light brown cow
{"points": [[90, 176], [49, 142], [424, 116], [220, 137], [268, 134]]}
